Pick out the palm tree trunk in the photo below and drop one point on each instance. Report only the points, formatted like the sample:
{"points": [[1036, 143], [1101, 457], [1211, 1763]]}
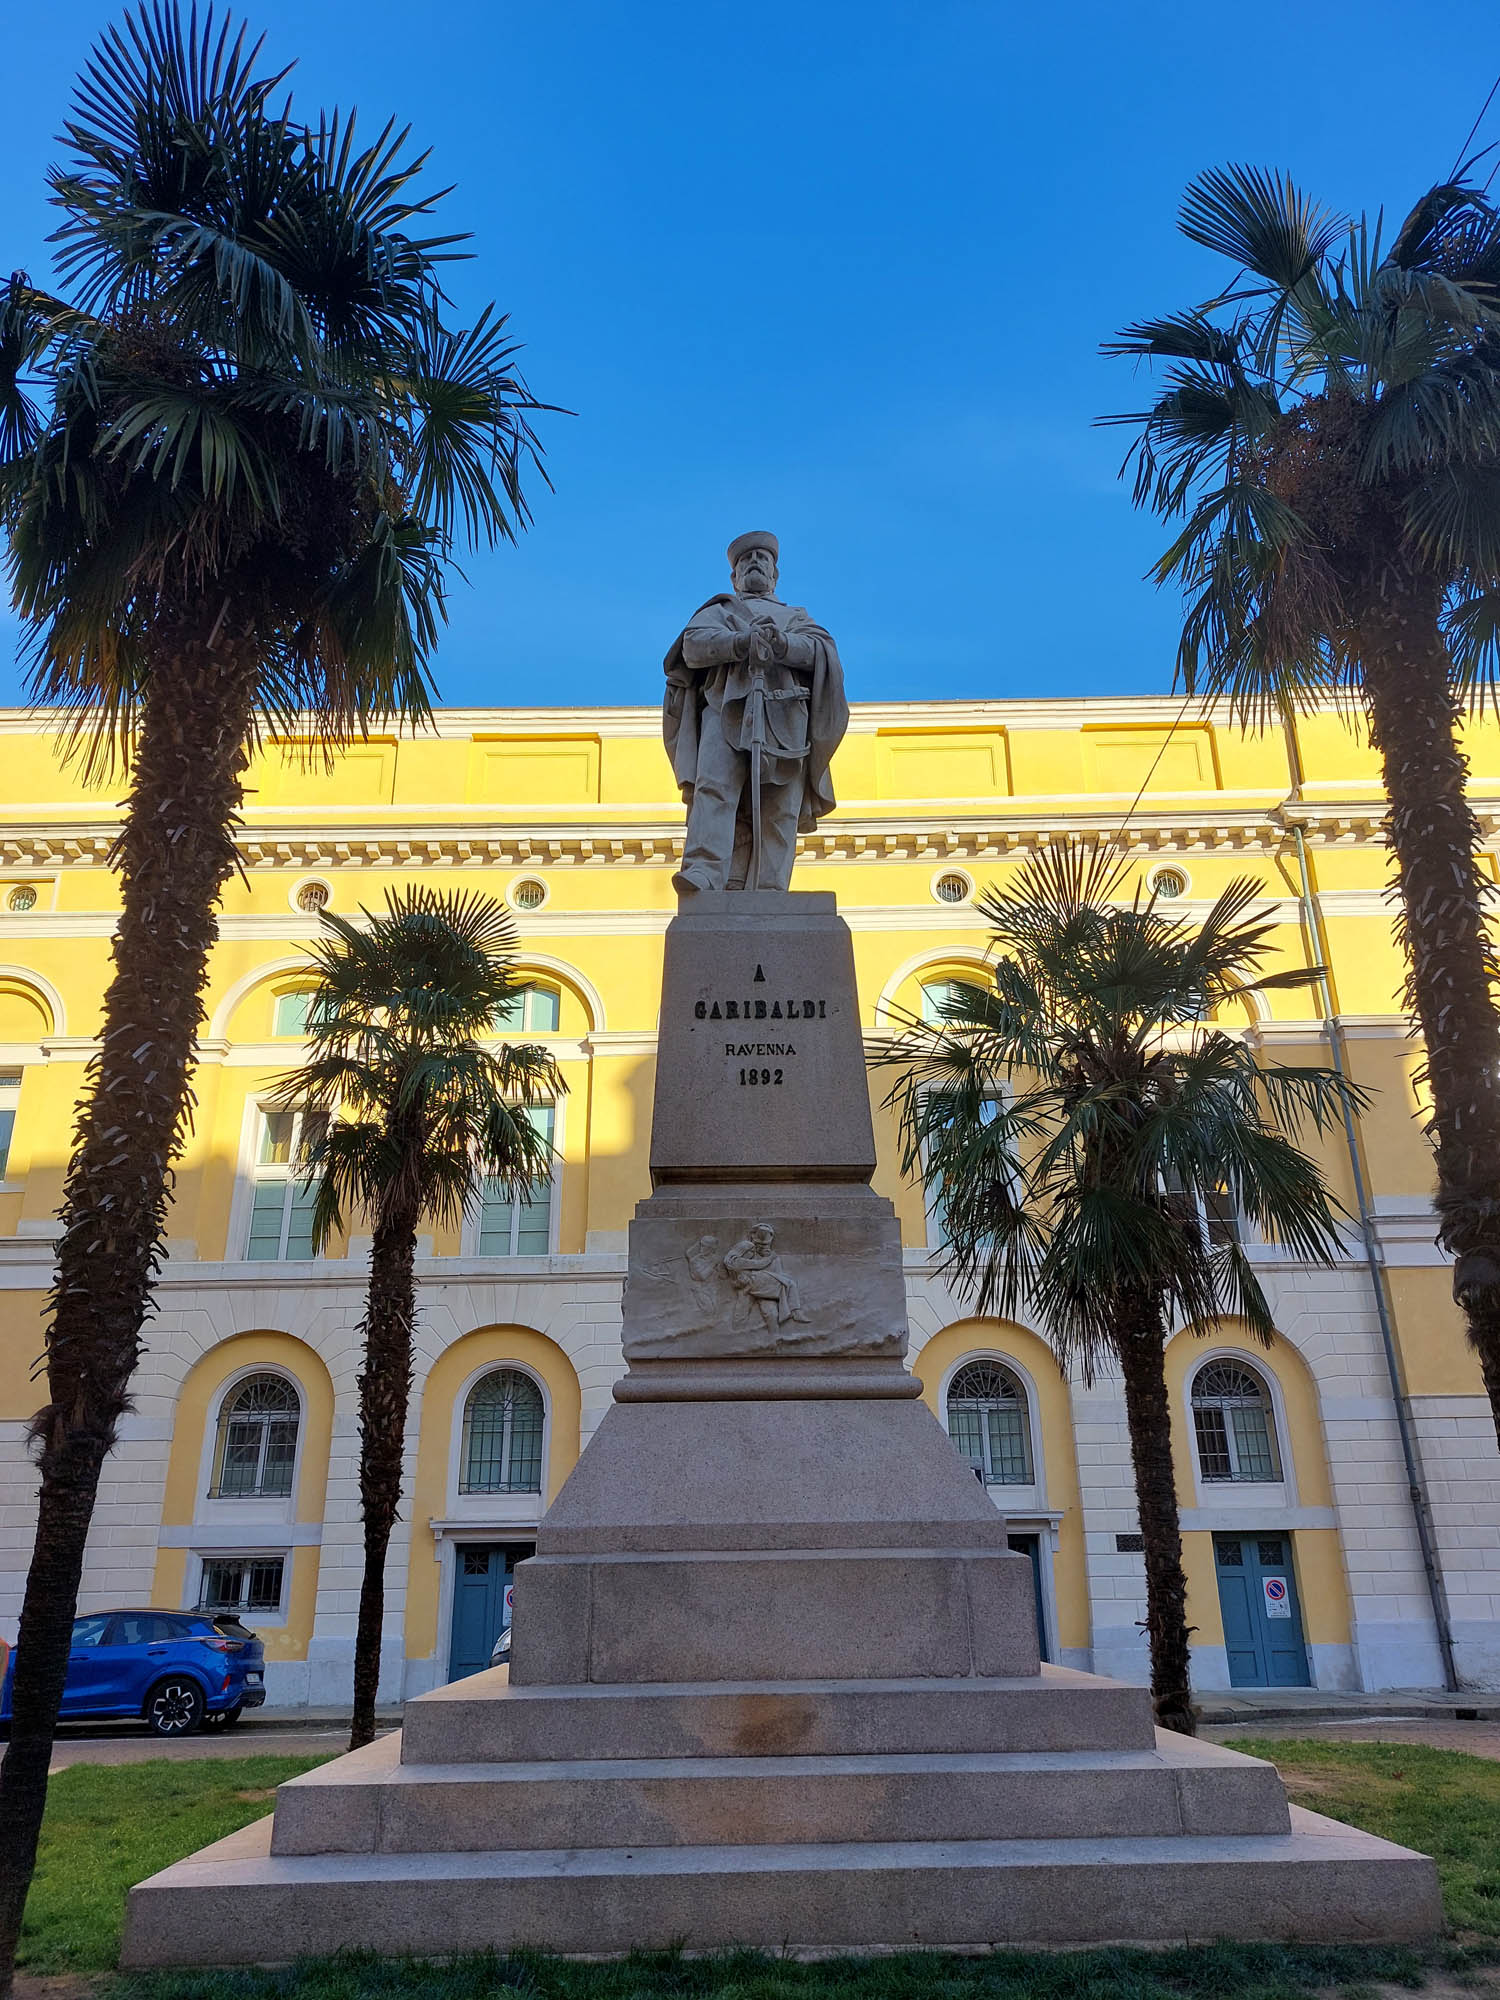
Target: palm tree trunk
{"points": [[1445, 894], [1141, 1347], [384, 1393], [175, 853]]}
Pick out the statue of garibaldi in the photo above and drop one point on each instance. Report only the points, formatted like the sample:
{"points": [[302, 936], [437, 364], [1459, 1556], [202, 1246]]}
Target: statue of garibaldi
{"points": [[754, 711]]}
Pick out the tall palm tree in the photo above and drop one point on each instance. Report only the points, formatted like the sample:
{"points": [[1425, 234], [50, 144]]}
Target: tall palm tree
{"points": [[1080, 1121], [412, 1115], [1329, 426], [237, 453]]}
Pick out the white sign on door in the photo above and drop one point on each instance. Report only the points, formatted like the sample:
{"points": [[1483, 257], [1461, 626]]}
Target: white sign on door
{"points": [[1278, 1602]]}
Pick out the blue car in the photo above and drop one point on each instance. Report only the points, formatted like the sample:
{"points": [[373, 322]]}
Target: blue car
{"points": [[175, 1670]]}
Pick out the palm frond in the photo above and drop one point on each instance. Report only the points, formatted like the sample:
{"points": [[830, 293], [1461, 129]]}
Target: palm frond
{"points": [[1065, 1119]]}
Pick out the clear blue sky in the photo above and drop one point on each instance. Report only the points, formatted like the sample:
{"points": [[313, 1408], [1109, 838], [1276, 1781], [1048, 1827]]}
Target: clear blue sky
{"points": [[835, 269]]}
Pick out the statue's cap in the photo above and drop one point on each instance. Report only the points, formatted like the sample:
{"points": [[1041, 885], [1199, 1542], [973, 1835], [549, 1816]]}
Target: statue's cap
{"points": [[756, 539]]}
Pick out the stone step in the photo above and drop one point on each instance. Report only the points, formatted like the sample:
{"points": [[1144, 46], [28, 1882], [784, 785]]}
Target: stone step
{"points": [[484, 1719], [371, 1802], [772, 1613], [236, 1903]]}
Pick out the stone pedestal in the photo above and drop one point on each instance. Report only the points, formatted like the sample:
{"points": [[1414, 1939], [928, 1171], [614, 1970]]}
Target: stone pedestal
{"points": [[774, 1675]]}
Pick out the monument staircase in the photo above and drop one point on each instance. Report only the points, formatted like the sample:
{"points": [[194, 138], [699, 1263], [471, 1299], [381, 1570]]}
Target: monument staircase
{"points": [[775, 1677]]}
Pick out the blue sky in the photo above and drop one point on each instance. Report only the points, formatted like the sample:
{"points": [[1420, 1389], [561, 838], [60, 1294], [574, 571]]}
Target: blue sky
{"points": [[836, 269]]}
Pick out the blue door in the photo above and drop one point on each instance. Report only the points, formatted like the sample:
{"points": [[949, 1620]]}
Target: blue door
{"points": [[1262, 1618], [481, 1604], [1031, 1545]]}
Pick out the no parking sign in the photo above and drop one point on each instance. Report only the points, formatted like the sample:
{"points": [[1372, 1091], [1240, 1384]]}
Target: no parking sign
{"points": [[1278, 1603]]}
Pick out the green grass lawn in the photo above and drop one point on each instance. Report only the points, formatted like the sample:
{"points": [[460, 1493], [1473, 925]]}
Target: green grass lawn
{"points": [[1439, 1801], [110, 1826]]}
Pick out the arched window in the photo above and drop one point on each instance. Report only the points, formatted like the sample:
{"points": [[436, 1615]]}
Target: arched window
{"points": [[256, 1447], [1235, 1427], [940, 995], [530, 1010], [502, 1442], [988, 1421]]}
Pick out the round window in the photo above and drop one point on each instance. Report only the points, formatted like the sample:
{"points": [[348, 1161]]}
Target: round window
{"points": [[22, 897], [529, 893], [1169, 884], [314, 896], [952, 886]]}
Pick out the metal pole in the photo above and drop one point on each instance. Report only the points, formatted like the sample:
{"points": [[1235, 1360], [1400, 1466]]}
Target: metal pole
{"points": [[1416, 1486]]}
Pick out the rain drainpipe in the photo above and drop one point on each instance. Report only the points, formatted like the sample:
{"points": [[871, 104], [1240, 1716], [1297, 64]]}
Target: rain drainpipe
{"points": [[1312, 918]]}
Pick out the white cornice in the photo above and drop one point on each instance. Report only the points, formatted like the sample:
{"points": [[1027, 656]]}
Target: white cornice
{"points": [[1008, 828]]}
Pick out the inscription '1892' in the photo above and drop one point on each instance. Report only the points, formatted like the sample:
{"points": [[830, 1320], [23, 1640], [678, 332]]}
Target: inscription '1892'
{"points": [[761, 1010]]}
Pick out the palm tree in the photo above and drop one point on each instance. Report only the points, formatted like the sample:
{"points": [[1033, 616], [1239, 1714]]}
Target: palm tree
{"points": [[1329, 426], [412, 1116], [1080, 1122], [237, 454]]}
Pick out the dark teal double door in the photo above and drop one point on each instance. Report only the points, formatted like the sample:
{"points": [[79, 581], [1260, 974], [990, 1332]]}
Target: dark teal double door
{"points": [[1262, 1618], [482, 1573]]}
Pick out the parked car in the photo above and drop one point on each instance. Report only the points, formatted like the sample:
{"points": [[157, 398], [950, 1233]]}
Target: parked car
{"points": [[176, 1670], [500, 1654]]}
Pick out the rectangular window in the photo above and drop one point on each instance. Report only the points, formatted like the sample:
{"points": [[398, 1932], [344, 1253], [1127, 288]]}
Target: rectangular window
{"points": [[511, 1228], [937, 1208], [10, 1100], [242, 1583], [1218, 1218], [281, 1209]]}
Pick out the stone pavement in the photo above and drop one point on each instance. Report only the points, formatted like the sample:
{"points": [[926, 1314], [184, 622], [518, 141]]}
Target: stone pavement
{"points": [[1285, 1705], [300, 1733]]}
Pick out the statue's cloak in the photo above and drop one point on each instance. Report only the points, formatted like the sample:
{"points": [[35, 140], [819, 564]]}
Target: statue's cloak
{"points": [[827, 710]]}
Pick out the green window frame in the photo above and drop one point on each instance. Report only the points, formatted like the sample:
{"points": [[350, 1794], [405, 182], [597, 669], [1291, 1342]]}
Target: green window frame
{"points": [[255, 1445], [504, 1419], [281, 1203], [989, 1421], [533, 1009], [1234, 1425], [10, 1104], [511, 1227]]}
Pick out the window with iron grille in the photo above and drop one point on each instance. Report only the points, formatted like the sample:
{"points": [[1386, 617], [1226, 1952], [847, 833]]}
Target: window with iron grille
{"points": [[989, 1423], [242, 1583], [256, 1446], [512, 1226], [1234, 1424], [502, 1440]]}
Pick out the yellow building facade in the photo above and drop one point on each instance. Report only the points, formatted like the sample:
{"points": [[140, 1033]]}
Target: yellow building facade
{"points": [[234, 1483]]}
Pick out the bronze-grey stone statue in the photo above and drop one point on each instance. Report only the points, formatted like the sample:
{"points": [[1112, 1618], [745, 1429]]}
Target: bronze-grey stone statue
{"points": [[754, 711]]}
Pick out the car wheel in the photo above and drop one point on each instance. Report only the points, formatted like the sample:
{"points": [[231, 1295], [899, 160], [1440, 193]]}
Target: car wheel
{"points": [[175, 1707]]}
